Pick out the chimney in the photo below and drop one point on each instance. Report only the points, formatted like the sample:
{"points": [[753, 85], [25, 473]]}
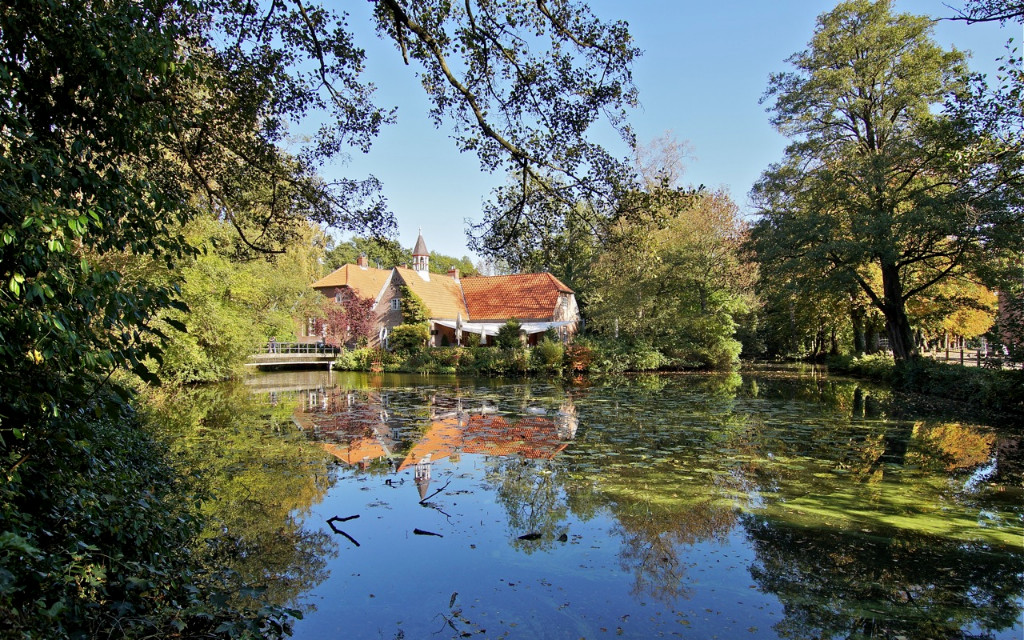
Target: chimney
{"points": [[362, 261], [453, 273]]}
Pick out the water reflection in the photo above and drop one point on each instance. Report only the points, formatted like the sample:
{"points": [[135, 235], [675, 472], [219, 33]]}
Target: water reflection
{"points": [[789, 505], [845, 584], [263, 478]]}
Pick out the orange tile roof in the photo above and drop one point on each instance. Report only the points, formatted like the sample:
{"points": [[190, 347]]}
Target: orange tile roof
{"points": [[366, 283], [488, 435], [523, 296], [442, 295], [356, 451]]}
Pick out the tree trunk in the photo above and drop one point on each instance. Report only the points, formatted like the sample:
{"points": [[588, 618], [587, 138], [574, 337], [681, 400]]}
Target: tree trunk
{"points": [[859, 338], [897, 325]]}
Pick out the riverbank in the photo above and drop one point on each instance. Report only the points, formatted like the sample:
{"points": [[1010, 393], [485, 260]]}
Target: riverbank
{"points": [[998, 391]]}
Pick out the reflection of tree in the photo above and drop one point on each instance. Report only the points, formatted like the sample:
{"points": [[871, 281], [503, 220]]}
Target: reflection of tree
{"points": [[651, 535], [532, 495], [263, 476], [841, 584]]}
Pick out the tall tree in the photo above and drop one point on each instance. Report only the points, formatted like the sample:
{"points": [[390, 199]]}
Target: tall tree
{"points": [[676, 283], [877, 174]]}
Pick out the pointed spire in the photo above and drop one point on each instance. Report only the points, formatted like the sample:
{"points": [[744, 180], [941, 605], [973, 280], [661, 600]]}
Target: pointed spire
{"points": [[420, 255], [421, 246]]}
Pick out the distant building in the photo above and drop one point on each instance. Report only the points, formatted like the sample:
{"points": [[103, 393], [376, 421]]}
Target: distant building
{"points": [[478, 305]]}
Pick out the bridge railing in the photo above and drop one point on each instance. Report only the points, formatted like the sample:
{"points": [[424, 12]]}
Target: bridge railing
{"points": [[278, 348]]}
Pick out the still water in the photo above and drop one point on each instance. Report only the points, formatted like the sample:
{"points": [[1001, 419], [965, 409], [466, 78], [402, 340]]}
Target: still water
{"points": [[761, 505]]}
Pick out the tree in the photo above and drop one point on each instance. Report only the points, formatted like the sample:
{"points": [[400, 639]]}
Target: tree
{"points": [[876, 174], [990, 11], [380, 252], [440, 263], [352, 320], [521, 83], [509, 336], [675, 283]]}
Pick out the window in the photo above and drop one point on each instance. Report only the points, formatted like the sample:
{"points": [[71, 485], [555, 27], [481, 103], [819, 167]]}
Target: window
{"points": [[337, 298], [396, 304]]}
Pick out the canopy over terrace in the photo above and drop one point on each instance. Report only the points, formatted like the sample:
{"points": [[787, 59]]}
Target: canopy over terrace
{"points": [[491, 328]]}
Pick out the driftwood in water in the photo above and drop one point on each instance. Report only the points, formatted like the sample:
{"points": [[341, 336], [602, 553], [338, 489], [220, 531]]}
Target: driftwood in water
{"points": [[530, 536], [421, 532], [423, 501], [333, 519], [337, 519]]}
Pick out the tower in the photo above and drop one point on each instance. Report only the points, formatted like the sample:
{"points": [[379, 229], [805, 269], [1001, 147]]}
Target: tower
{"points": [[420, 255]]}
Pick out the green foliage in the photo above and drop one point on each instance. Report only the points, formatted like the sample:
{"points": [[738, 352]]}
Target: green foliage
{"points": [[440, 263], [234, 305], [882, 190], [999, 391], [98, 538], [380, 253], [610, 355], [675, 282], [364, 358], [266, 474], [548, 356], [510, 336], [407, 339], [414, 311], [443, 360]]}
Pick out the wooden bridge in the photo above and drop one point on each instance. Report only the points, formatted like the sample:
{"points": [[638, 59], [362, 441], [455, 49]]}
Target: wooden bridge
{"points": [[293, 354]]}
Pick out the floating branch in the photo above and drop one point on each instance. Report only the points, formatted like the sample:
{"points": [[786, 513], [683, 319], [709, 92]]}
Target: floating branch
{"points": [[332, 520], [337, 519], [423, 501]]}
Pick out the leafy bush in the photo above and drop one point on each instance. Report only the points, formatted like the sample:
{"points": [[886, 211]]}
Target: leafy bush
{"points": [[548, 355], [510, 335], [98, 537], [409, 338]]}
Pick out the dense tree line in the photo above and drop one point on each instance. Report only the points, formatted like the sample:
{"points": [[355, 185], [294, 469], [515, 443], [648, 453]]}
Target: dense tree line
{"points": [[893, 219]]}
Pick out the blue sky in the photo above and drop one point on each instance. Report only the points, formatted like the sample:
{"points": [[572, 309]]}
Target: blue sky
{"points": [[704, 68]]}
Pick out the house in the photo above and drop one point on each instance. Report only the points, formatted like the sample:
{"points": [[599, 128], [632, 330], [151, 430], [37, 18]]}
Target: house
{"points": [[458, 306]]}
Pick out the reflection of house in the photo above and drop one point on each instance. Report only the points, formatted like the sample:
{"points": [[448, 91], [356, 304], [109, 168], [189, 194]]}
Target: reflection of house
{"points": [[478, 305], [455, 433], [489, 435], [349, 428]]}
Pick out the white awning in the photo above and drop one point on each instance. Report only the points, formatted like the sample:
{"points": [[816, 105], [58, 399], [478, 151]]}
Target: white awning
{"points": [[491, 328]]}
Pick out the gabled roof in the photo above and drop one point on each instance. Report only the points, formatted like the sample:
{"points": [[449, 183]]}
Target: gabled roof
{"points": [[441, 294], [366, 283], [522, 296]]}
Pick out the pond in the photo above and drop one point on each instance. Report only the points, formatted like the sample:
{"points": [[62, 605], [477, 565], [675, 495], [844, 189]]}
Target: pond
{"points": [[762, 505]]}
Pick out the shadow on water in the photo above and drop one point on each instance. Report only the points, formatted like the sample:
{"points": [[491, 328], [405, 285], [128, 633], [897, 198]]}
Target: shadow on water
{"points": [[769, 505]]}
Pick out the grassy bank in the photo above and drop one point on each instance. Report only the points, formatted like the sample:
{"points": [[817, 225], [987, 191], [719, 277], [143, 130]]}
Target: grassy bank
{"points": [[991, 390]]}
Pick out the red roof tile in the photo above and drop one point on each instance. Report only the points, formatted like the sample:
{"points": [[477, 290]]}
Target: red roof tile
{"points": [[523, 296]]}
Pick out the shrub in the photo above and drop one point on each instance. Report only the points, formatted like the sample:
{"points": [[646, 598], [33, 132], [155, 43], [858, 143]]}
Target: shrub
{"points": [[98, 540], [548, 355], [510, 335], [409, 338]]}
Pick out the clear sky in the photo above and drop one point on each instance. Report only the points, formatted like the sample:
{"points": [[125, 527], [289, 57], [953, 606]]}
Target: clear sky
{"points": [[705, 66]]}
